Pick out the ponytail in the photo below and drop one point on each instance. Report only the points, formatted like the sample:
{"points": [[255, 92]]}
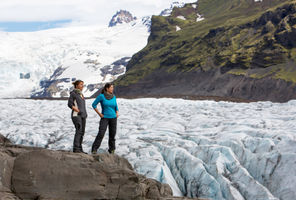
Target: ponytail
{"points": [[107, 85]]}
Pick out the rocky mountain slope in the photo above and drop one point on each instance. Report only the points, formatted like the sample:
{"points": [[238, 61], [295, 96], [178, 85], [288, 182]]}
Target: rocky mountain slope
{"points": [[241, 49], [36, 173], [121, 17]]}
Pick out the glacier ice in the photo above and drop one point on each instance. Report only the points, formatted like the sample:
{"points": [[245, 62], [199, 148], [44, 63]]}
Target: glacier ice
{"points": [[74, 49], [215, 150]]}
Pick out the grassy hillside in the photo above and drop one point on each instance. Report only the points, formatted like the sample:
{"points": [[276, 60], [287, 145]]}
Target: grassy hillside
{"points": [[238, 37]]}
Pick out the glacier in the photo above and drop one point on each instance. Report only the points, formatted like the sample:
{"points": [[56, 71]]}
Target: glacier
{"points": [[79, 51], [44, 63], [215, 150]]}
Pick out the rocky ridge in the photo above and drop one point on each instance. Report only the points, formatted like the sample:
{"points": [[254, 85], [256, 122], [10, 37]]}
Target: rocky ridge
{"points": [[37, 173], [121, 17]]}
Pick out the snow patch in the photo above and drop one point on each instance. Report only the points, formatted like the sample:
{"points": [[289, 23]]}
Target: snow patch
{"points": [[181, 17], [199, 18]]}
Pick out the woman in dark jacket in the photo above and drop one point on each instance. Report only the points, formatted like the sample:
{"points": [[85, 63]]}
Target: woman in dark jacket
{"points": [[77, 103], [108, 117]]}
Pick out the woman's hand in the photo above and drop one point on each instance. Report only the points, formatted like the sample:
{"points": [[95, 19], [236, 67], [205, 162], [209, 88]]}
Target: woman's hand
{"points": [[100, 114], [75, 109], [117, 115]]}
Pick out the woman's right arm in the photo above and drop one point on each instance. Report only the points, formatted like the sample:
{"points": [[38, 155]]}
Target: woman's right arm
{"points": [[100, 114], [71, 103], [95, 104]]}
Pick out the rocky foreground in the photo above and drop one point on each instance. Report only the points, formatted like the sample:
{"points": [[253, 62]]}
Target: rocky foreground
{"points": [[37, 173]]}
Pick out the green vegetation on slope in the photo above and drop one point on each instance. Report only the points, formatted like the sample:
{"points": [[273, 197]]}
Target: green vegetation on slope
{"points": [[240, 37]]}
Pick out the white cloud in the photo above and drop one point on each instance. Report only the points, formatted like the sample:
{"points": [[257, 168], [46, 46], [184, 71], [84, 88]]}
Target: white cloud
{"points": [[87, 11]]}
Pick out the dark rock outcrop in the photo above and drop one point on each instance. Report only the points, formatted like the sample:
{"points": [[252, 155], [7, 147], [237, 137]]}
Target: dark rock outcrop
{"points": [[116, 68], [51, 87], [209, 85], [4, 140], [36, 173], [121, 17]]}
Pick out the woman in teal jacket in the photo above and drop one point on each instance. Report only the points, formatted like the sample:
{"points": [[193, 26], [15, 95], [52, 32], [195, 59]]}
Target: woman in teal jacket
{"points": [[108, 117]]}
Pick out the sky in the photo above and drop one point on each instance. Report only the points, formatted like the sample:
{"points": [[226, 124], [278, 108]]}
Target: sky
{"points": [[34, 15]]}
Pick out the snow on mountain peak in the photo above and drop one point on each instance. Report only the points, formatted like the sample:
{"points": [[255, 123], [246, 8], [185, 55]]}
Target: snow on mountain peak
{"points": [[168, 11], [121, 17]]}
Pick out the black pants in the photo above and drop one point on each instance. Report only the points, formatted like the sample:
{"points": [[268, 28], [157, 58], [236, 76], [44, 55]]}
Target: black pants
{"points": [[112, 124], [79, 123]]}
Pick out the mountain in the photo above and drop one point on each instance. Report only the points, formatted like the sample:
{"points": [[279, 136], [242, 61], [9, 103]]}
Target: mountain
{"points": [[240, 49], [114, 47], [121, 17], [43, 64]]}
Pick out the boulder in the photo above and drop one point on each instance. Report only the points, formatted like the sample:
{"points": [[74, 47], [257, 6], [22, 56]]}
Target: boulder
{"points": [[42, 174], [6, 166], [50, 174], [8, 196], [4, 140]]}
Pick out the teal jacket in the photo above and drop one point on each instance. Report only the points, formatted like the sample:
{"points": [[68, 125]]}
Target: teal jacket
{"points": [[109, 107]]}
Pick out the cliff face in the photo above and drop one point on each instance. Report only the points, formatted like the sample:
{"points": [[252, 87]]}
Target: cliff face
{"points": [[120, 17], [36, 173], [236, 49]]}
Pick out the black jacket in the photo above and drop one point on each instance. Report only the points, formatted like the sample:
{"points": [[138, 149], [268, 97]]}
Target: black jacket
{"points": [[76, 100]]}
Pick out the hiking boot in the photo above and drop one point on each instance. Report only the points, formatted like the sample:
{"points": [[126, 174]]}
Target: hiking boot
{"points": [[79, 151], [93, 151], [111, 152]]}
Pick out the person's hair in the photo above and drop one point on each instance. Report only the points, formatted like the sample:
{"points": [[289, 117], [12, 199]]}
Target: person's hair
{"points": [[75, 83], [107, 85]]}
